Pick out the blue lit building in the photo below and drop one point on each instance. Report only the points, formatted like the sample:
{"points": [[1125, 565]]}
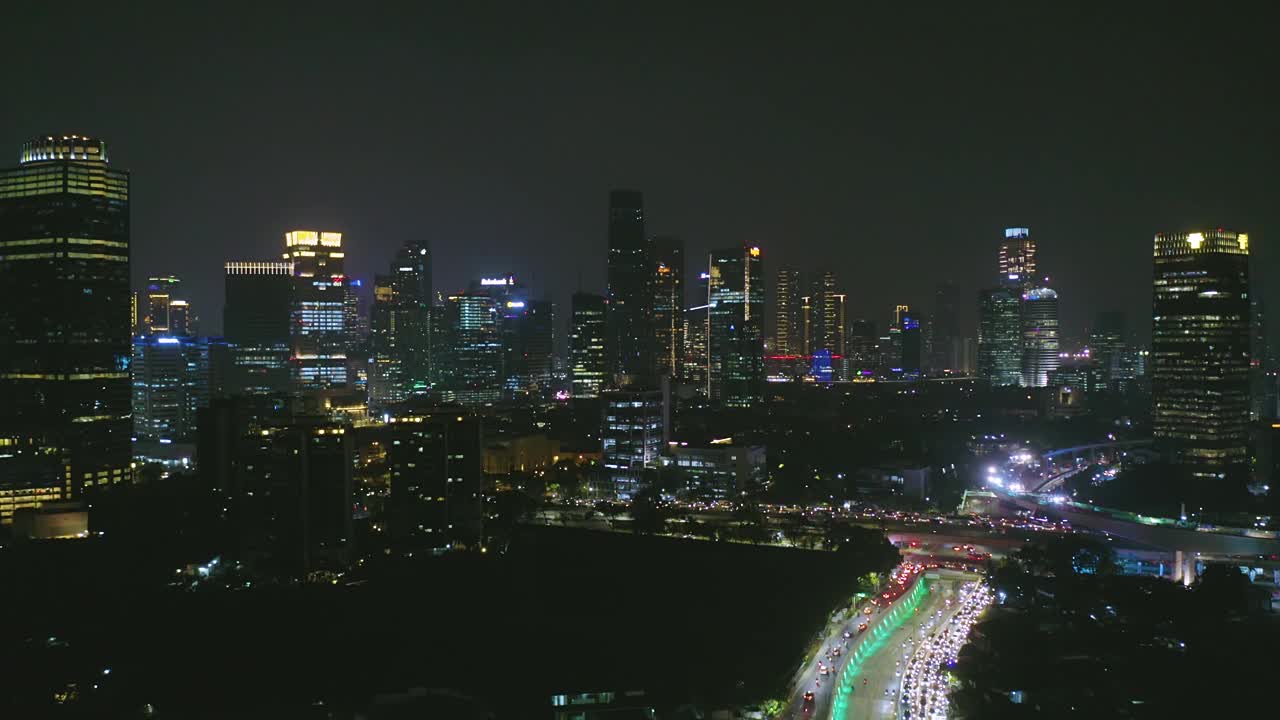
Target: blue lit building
{"points": [[172, 378], [632, 436]]}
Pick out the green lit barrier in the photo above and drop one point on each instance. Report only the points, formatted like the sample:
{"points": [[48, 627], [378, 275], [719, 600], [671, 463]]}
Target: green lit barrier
{"points": [[877, 639]]}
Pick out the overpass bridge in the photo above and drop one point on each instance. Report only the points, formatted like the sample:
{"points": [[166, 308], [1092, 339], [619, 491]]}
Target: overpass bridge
{"points": [[1189, 543]]}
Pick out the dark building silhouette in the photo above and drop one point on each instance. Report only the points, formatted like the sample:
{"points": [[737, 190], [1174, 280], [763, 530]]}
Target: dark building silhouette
{"points": [[668, 305], [258, 297], [436, 462], [65, 317], [737, 326], [630, 339]]}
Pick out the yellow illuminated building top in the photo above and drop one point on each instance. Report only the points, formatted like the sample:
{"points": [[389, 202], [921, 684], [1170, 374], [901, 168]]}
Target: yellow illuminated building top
{"points": [[295, 238]]}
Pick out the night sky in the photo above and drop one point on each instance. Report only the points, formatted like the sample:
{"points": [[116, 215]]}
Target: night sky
{"points": [[889, 141]]}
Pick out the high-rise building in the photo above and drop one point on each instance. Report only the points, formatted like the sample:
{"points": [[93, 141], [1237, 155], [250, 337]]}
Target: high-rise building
{"points": [[1017, 256], [737, 332], [697, 334], [65, 336], [788, 308], [863, 345], [668, 305], [1200, 348], [155, 301], [828, 309], [436, 465], [258, 305], [632, 436], [317, 318], [1000, 336], [587, 345], [475, 375], [630, 339], [912, 345], [171, 382], [1108, 347], [1040, 340], [411, 277], [386, 361], [946, 341]]}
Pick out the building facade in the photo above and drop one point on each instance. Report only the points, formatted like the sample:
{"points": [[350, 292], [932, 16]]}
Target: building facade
{"points": [[1040, 340], [588, 363], [1199, 361], [668, 305], [1017, 256], [630, 337], [737, 291], [319, 338], [255, 318], [632, 435], [1000, 336], [65, 320]]}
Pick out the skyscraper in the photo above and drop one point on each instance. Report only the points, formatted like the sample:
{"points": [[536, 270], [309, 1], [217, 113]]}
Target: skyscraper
{"points": [[317, 319], [912, 345], [632, 436], [386, 367], [411, 277], [1108, 348], [258, 304], [476, 348], [64, 317], [587, 345], [171, 382], [737, 333], [1200, 348], [828, 308], [1017, 256], [788, 331], [668, 305], [630, 339], [1000, 336], [697, 333], [947, 343], [1040, 341]]}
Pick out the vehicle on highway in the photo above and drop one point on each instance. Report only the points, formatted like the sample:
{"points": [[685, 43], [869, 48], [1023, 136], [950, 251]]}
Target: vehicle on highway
{"points": [[862, 628], [808, 702]]}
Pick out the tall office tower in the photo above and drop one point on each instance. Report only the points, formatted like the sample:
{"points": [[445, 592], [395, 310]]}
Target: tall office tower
{"points": [[788, 329], [1107, 347], [841, 363], [1200, 348], [900, 311], [538, 338], [912, 345], [668, 305], [386, 368], [632, 437], [255, 319], [155, 301], [475, 357], [353, 338], [1040, 341], [1000, 336], [182, 322], [436, 462], [317, 318], [411, 276], [588, 364], [828, 301], [863, 341], [1017, 256], [64, 318], [947, 343], [697, 334], [630, 339], [737, 332], [808, 340], [171, 382]]}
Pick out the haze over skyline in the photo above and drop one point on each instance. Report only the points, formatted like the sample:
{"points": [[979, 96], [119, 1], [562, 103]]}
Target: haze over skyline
{"points": [[890, 146]]}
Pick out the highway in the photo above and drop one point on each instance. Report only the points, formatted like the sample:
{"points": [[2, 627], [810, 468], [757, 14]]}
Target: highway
{"points": [[881, 671]]}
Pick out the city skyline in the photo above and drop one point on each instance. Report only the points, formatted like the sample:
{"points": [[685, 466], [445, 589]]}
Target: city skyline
{"points": [[894, 201]]}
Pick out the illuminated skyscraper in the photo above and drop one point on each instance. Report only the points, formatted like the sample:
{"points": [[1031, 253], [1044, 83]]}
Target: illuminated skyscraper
{"points": [[697, 333], [630, 343], [737, 333], [170, 383], [828, 309], [411, 277], [788, 332], [1017, 257], [668, 305], [475, 348], [1040, 341], [255, 318], [632, 436], [317, 320], [1000, 336], [1200, 348], [386, 368], [912, 344], [587, 345], [65, 336]]}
